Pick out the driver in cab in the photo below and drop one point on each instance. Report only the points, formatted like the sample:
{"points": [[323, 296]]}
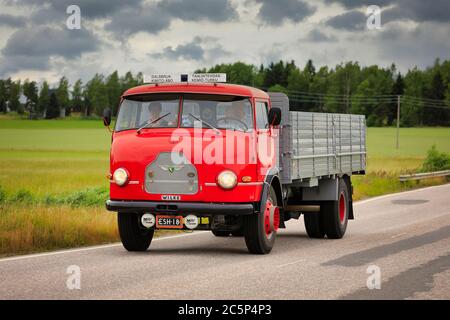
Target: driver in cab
{"points": [[154, 113], [235, 116], [236, 110]]}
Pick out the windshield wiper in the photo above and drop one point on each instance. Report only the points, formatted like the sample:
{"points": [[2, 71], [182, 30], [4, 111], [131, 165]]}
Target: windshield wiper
{"points": [[149, 122], [203, 121]]}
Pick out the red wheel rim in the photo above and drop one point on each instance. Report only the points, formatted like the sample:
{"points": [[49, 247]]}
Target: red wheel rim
{"points": [[342, 207], [275, 212]]}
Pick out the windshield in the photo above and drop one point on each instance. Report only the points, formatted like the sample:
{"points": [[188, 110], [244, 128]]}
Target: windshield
{"points": [[162, 111], [149, 111], [221, 112]]}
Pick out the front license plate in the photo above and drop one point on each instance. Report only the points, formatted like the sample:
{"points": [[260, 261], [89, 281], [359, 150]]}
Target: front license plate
{"points": [[169, 222]]}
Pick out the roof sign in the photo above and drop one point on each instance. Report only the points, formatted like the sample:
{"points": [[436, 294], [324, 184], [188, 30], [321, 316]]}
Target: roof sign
{"points": [[161, 78], [207, 77], [193, 77]]}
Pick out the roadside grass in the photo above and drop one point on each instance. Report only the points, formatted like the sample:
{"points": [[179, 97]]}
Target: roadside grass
{"points": [[380, 183], [52, 172], [28, 228], [53, 179]]}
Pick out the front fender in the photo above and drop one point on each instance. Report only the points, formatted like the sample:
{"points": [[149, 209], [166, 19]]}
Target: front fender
{"points": [[271, 179]]}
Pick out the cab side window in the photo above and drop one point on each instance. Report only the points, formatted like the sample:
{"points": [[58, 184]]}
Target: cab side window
{"points": [[261, 115]]}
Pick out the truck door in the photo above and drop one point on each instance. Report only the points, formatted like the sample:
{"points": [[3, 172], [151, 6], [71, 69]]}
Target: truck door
{"points": [[265, 140]]}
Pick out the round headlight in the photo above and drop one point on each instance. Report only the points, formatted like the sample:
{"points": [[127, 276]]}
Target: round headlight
{"points": [[227, 179], [120, 176]]}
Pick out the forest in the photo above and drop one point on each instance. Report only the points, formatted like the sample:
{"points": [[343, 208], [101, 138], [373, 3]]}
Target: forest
{"points": [[376, 92]]}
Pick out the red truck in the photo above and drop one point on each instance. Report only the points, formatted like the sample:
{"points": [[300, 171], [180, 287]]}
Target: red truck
{"points": [[198, 155]]}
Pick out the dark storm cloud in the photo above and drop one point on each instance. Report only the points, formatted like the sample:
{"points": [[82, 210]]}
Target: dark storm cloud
{"points": [[395, 10], [44, 41], [134, 20], [419, 11], [12, 21], [90, 9], [191, 10], [197, 49], [12, 64], [351, 20], [275, 12], [416, 47], [188, 51], [32, 48], [316, 35], [353, 4], [155, 17]]}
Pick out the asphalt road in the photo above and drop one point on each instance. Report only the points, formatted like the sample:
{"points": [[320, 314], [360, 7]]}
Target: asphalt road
{"points": [[406, 237]]}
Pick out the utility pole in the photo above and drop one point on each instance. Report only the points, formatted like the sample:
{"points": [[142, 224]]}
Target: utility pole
{"points": [[398, 121]]}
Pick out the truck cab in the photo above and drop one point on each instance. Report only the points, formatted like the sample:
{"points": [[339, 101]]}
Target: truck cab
{"points": [[197, 156]]}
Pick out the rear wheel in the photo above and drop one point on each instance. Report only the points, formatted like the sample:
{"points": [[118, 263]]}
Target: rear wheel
{"points": [[314, 224], [260, 229], [134, 236], [336, 213]]}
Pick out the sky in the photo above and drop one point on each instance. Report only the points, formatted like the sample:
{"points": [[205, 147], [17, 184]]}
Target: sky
{"points": [[180, 36]]}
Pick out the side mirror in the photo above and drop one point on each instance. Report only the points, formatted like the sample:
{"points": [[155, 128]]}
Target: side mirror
{"points": [[107, 117], [274, 116]]}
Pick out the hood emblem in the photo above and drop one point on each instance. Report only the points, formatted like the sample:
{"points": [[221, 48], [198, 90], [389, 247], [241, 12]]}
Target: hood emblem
{"points": [[171, 168]]}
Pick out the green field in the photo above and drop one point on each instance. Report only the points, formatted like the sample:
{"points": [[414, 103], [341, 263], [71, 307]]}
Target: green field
{"points": [[58, 156], [52, 171]]}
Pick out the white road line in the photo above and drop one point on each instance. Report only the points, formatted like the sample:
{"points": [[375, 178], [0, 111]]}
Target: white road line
{"points": [[288, 264], [37, 255], [398, 235], [45, 254]]}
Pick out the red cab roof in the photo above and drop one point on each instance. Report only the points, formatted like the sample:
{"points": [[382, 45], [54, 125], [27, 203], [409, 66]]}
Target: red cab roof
{"points": [[207, 88]]}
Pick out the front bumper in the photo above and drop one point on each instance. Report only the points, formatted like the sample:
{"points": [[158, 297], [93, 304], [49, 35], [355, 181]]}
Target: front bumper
{"points": [[182, 208]]}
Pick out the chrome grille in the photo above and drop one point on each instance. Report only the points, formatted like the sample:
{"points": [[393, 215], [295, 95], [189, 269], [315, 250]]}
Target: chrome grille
{"points": [[163, 176]]}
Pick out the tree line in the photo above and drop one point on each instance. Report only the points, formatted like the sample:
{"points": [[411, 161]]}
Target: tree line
{"points": [[376, 92], [43, 101]]}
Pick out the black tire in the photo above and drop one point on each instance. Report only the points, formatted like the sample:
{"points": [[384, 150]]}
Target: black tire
{"points": [[314, 224], [335, 224], [134, 236], [254, 231], [219, 233]]}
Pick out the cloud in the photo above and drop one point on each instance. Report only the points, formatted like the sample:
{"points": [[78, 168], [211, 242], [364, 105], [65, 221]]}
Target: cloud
{"points": [[32, 48], [416, 46], [411, 10], [157, 16], [197, 49], [350, 20], [419, 11], [193, 10], [354, 4], [89, 9], [276, 12], [316, 35], [12, 21], [50, 41], [133, 20], [11, 64]]}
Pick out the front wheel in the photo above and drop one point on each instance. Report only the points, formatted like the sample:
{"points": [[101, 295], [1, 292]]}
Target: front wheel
{"points": [[134, 236], [260, 229]]}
